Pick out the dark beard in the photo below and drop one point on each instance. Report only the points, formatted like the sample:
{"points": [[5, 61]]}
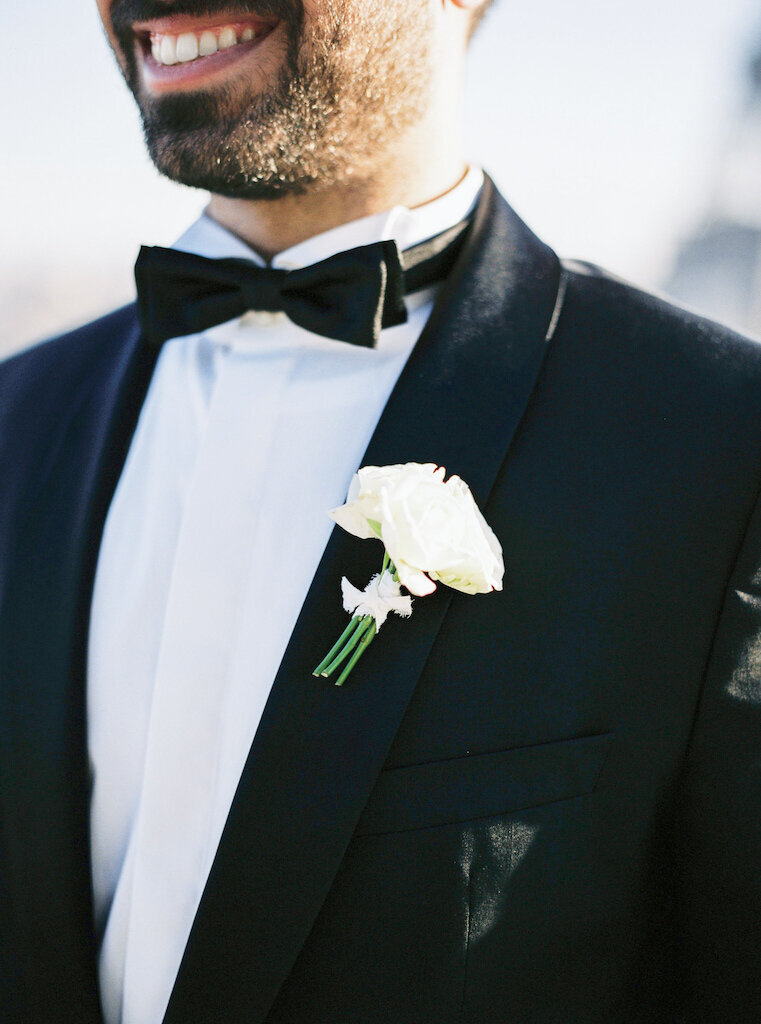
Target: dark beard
{"points": [[319, 118], [212, 140]]}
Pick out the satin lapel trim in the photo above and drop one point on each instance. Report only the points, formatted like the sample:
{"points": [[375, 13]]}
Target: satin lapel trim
{"points": [[319, 749], [43, 631]]}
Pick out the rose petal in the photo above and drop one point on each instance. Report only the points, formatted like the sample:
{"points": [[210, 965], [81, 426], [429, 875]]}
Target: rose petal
{"points": [[414, 580], [349, 518]]}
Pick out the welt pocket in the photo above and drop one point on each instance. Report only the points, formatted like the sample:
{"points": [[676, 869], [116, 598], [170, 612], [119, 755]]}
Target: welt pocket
{"points": [[483, 785]]}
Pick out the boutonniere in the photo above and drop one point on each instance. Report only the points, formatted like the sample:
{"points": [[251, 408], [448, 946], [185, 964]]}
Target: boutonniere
{"points": [[432, 531]]}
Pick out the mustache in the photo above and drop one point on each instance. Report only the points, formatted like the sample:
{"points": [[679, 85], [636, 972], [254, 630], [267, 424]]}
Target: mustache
{"points": [[124, 13]]}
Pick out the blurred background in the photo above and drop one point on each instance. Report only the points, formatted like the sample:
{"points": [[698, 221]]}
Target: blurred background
{"points": [[628, 135]]}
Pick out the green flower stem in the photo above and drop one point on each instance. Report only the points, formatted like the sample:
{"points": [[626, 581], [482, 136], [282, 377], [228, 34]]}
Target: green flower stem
{"points": [[359, 633], [360, 628], [388, 564], [336, 647], [366, 640]]}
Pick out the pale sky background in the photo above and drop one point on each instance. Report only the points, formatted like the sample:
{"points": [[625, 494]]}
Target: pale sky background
{"points": [[601, 122]]}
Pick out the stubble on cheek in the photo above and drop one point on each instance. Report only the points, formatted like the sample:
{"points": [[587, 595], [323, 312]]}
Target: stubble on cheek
{"points": [[345, 79]]}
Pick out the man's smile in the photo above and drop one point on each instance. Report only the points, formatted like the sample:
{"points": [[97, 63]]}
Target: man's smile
{"points": [[179, 51]]}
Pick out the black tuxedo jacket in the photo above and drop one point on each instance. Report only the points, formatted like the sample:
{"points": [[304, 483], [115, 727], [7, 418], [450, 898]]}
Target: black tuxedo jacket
{"points": [[542, 805]]}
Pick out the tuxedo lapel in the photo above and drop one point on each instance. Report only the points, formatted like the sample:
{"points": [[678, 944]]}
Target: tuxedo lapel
{"points": [[318, 748], [61, 502]]}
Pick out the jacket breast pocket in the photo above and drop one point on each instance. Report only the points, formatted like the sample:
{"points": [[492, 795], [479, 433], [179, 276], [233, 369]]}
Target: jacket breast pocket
{"points": [[483, 785]]}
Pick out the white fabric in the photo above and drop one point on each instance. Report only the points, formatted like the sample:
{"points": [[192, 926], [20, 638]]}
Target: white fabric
{"points": [[381, 596], [249, 433]]}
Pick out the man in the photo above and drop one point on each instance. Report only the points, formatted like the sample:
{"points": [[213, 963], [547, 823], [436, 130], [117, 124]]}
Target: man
{"points": [[541, 805]]}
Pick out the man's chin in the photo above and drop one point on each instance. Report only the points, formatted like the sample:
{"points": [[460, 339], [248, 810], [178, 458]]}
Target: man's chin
{"points": [[199, 158], [243, 144]]}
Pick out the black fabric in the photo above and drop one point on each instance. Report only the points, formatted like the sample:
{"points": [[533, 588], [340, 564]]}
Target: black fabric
{"points": [[47, 566], [350, 296], [539, 805]]}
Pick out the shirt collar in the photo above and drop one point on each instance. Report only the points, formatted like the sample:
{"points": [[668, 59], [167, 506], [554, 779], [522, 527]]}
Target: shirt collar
{"points": [[406, 226]]}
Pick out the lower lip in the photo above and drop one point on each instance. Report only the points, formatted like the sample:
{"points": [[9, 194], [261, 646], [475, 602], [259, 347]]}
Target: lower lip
{"points": [[165, 77]]}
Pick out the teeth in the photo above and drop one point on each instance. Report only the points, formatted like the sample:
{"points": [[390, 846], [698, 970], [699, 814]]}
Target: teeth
{"points": [[168, 52], [227, 38], [207, 44], [168, 49], [187, 47]]}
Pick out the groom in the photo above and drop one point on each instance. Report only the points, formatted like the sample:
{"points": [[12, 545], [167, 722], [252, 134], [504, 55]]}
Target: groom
{"points": [[537, 805]]}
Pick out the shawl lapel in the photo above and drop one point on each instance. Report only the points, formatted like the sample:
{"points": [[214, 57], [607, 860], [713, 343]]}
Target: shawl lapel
{"points": [[58, 507], [318, 749]]}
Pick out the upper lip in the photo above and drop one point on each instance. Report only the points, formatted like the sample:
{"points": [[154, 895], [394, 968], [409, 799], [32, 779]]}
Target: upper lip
{"points": [[177, 24]]}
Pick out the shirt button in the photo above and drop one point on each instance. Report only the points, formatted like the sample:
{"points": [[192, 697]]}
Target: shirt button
{"points": [[261, 318]]}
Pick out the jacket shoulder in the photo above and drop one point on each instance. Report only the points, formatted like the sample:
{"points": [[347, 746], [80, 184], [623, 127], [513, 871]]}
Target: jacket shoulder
{"points": [[652, 386], [608, 302], [44, 388], [59, 361], [659, 353]]}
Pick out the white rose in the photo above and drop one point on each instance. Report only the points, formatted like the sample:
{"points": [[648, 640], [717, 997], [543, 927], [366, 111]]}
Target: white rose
{"points": [[431, 529]]}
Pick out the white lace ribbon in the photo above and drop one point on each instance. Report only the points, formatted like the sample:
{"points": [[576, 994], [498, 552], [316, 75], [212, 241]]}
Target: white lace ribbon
{"points": [[381, 596]]}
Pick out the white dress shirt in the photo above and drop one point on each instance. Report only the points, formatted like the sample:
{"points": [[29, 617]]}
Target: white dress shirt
{"points": [[249, 433]]}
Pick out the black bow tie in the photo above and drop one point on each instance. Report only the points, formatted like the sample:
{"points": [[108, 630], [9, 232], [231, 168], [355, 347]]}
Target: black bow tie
{"points": [[349, 296]]}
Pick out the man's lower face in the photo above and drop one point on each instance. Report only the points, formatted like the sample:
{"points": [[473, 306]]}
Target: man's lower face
{"points": [[266, 98]]}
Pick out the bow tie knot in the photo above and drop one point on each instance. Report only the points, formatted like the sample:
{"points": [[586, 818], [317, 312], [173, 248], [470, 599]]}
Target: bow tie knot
{"points": [[265, 291], [349, 296]]}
